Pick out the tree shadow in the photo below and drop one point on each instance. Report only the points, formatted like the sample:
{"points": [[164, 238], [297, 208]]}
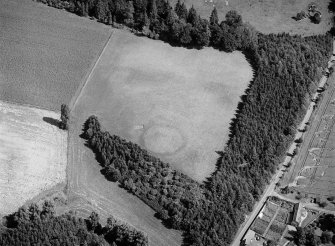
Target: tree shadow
{"points": [[51, 121]]}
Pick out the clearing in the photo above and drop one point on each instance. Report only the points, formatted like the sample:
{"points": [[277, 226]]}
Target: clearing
{"points": [[175, 102], [32, 154], [47, 52], [268, 16]]}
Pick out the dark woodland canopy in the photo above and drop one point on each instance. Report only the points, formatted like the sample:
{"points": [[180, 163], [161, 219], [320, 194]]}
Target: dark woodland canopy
{"points": [[36, 225], [286, 72]]}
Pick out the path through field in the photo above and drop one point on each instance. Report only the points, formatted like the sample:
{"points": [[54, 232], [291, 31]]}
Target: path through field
{"points": [[175, 102], [45, 52], [178, 103]]}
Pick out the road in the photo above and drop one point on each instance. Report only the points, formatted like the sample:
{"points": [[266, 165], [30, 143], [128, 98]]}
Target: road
{"points": [[258, 207], [270, 189]]}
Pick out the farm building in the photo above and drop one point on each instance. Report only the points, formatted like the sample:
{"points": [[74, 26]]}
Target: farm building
{"points": [[296, 214]]}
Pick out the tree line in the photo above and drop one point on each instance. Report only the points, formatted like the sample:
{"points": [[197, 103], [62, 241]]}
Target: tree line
{"points": [[35, 225], [179, 201], [157, 19], [286, 68]]}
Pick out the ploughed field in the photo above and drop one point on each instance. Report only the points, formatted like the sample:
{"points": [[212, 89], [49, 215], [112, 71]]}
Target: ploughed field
{"points": [[32, 154], [269, 16], [176, 103], [45, 52]]}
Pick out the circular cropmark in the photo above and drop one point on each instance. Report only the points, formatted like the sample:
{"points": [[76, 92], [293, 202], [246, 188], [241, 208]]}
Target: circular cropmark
{"points": [[163, 139]]}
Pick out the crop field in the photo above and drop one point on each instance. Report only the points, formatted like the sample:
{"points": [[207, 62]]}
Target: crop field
{"points": [[268, 16], [178, 103], [32, 154], [175, 102], [45, 52], [313, 171]]}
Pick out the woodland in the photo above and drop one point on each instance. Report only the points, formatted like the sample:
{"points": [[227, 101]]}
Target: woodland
{"points": [[286, 72], [39, 225]]}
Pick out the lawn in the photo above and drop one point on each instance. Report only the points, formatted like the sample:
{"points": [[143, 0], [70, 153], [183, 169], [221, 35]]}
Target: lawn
{"points": [[268, 16], [32, 154], [45, 52]]}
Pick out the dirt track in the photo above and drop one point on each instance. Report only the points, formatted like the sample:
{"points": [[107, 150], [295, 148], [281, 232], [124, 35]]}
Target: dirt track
{"points": [[139, 87], [89, 190]]}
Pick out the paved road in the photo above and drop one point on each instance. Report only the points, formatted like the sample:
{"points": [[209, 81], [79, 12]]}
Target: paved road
{"points": [[270, 189], [259, 205]]}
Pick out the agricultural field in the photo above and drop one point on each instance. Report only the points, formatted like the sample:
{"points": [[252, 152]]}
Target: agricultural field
{"points": [[45, 52], [313, 169], [32, 154], [268, 16], [175, 102]]}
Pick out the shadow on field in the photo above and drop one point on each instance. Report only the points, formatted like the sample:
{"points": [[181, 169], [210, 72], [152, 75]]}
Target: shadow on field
{"points": [[51, 121]]}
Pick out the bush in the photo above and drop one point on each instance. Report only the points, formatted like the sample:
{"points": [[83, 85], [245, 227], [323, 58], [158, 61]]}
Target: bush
{"points": [[331, 198], [326, 237], [301, 15], [323, 204]]}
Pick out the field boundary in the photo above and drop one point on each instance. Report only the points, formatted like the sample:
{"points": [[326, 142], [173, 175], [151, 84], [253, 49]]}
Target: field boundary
{"points": [[29, 106], [86, 78], [73, 102]]}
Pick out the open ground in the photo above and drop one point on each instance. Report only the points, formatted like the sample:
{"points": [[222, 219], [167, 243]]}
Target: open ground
{"points": [[313, 170], [32, 154], [178, 103], [175, 102], [45, 52], [269, 16]]}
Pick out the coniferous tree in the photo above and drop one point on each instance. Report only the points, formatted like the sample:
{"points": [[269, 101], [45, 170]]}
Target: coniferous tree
{"points": [[214, 19], [193, 17], [153, 11], [65, 114], [181, 10], [233, 18]]}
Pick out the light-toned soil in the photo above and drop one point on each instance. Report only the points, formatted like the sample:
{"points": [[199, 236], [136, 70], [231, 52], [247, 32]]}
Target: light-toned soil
{"points": [[268, 16], [32, 154], [45, 52]]}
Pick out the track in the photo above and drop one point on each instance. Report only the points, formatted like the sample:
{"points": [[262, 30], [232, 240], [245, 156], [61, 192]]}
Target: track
{"points": [[270, 189], [88, 190]]}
